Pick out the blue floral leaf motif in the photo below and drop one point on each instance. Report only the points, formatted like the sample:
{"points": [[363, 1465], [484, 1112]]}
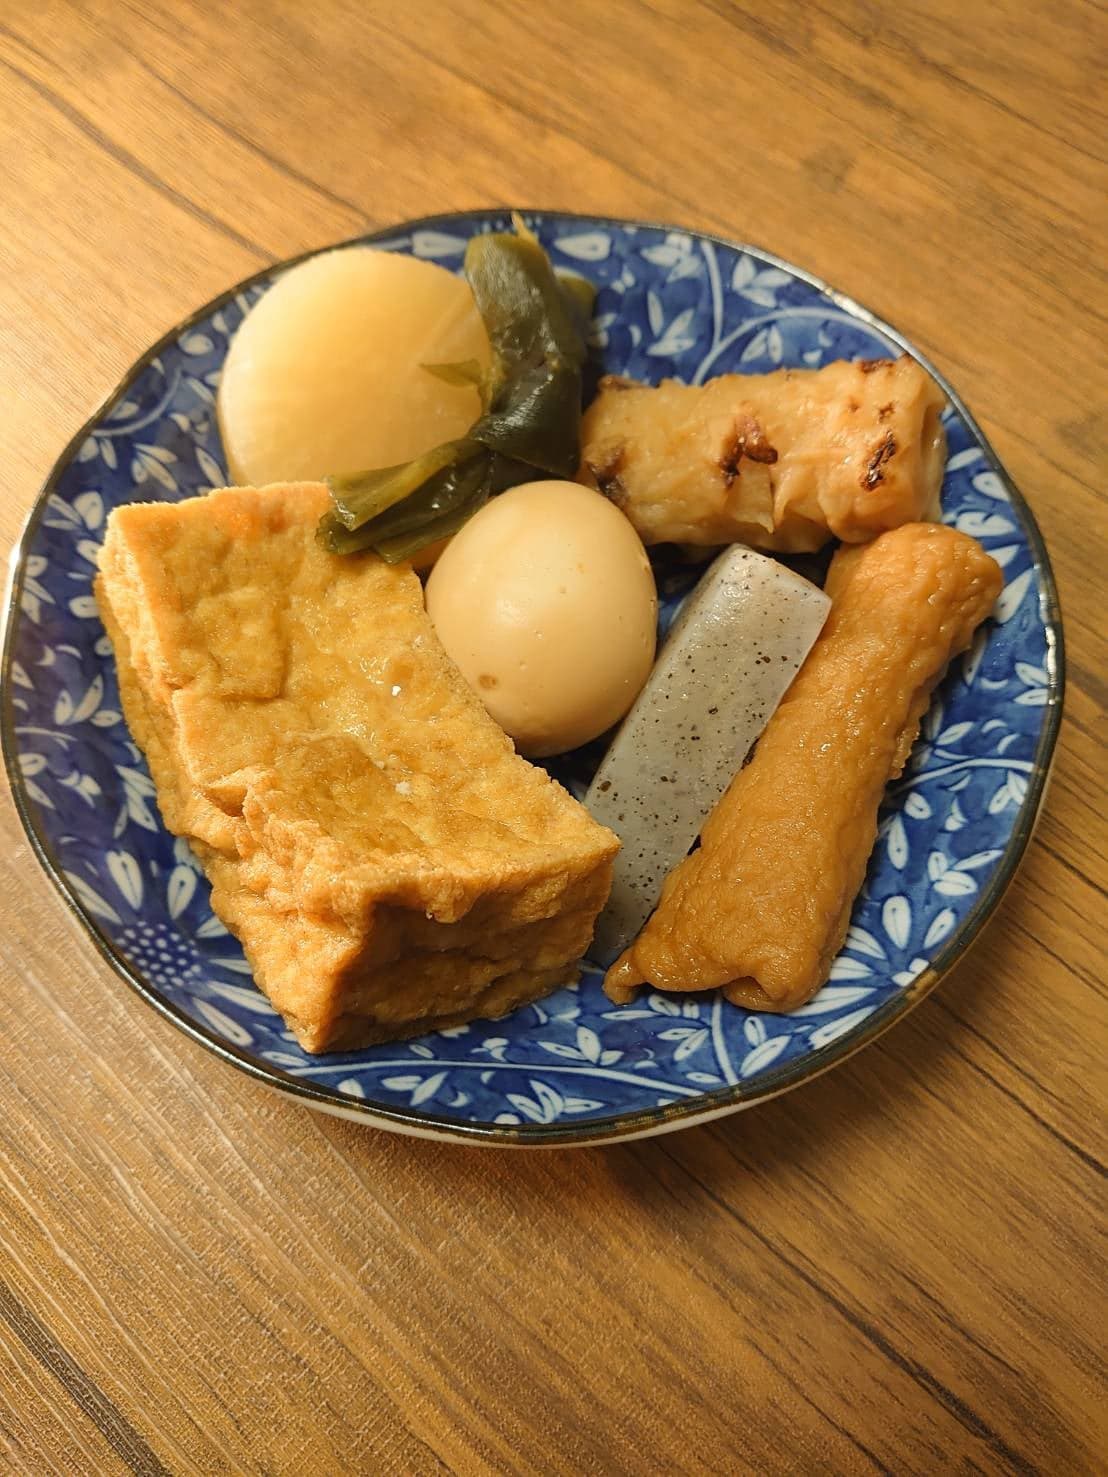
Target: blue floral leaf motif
{"points": [[628, 1015], [956, 818], [1012, 597], [896, 843], [91, 899], [282, 1059], [127, 876], [506, 1118], [762, 287], [525, 1105], [210, 468], [230, 1030], [550, 1098], [609, 1058], [655, 312], [84, 607], [905, 977], [662, 1006], [705, 1079], [668, 253], [460, 1100], [588, 1043], [756, 348], [598, 333], [692, 1042], [200, 390], [896, 919], [437, 243], [244, 996], [917, 806], [182, 885], [83, 785], [932, 720], [862, 942], [1032, 675], [89, 507], [588, 246], [676, 1033], [20, 678], [690, 1010], [562, 1048], [234, 962], [833, 997], [936, 865], [452, 1032], [89, 551], [952, 734], [1001, 799], [211, 928], [418, 1049], [990, 485], [775, 345], [1017, 785], [351, 1087], [761, 1057], [427, 1088], [406, 1083], [983, 525], [940, 926], [845, 968], [955, 884], [824, 1035], [196, 343], [754, 1030], [962, 459], [581, 1104], [89, 450], [743, 273], [976, 861], [38, 794], [30, 764]]}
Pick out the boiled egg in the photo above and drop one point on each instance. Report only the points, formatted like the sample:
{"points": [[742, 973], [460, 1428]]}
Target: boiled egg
{"points": [[546, 602], [327, 373]]}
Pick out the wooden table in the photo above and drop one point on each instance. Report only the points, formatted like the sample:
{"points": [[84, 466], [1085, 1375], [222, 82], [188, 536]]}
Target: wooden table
{"points": [[894, 1269]]}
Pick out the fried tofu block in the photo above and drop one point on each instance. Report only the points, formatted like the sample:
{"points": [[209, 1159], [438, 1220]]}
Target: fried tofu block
{"points": [[762, 907], [781, 461], [389, 864]]}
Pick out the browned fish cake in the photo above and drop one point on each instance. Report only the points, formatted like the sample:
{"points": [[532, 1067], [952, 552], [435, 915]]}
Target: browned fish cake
{"points": [[762, 907], [387, 861], [780, 461]]}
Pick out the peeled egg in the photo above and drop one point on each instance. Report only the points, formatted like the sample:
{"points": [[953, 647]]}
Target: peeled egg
{"points": [[546, 602], [326, 374]]}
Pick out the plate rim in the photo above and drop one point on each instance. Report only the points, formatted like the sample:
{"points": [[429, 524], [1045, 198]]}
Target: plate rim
{"points": [[733, 1097]]}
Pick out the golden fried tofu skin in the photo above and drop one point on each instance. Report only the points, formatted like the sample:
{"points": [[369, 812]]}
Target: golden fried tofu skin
{"points": [[387, 861], [762, 907], [780, 461]]}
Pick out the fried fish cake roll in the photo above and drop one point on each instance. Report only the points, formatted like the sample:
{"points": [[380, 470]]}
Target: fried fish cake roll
{"points": [[762, 907], [781, 461]]}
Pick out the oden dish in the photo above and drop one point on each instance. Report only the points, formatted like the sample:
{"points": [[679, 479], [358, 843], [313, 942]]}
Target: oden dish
{"points": [[762, 906]]}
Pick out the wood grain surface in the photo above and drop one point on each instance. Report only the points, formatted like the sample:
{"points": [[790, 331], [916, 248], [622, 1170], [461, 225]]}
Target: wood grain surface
{"points": [[899, 1268]]}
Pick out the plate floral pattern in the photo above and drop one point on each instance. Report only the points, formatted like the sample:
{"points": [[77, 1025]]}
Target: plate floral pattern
{"points": [[572, 1068]]}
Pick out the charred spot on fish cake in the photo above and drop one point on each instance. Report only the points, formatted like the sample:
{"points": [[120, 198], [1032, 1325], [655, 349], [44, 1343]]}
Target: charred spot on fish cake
{"points": [[883, 452], [867, 366], [749, 440]]}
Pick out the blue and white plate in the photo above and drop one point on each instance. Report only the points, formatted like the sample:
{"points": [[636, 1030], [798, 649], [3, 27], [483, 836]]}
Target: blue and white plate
{"points": [[572, 1069]]}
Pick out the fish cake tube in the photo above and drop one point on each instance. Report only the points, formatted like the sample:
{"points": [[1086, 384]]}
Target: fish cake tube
{"points": [[762, 907], [782, 461]]}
